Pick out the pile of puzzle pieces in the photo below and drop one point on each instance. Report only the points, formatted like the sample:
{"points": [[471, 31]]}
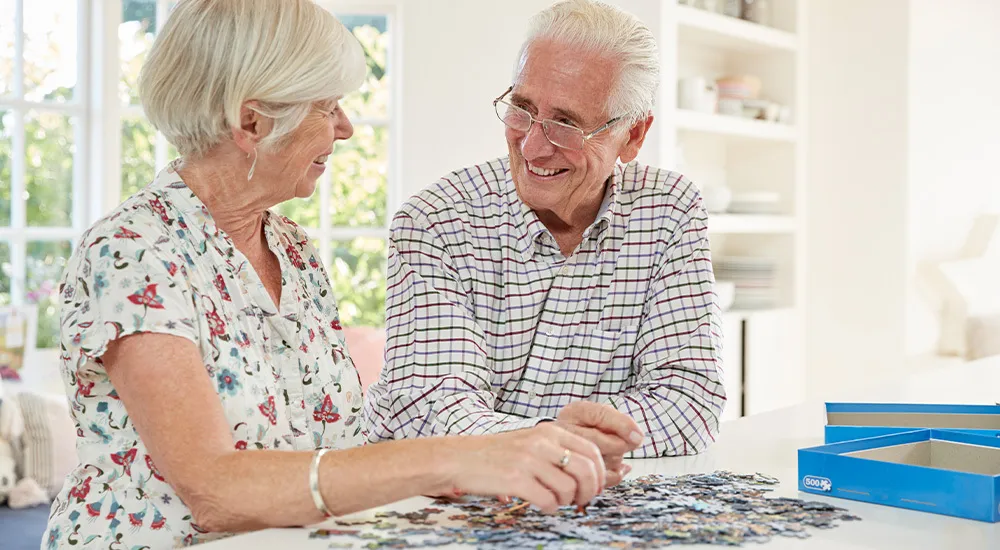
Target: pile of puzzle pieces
{"points": [[646, 512]]}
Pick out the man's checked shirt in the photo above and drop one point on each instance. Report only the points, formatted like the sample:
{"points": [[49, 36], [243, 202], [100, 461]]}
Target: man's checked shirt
{"points": [[490, 328]]}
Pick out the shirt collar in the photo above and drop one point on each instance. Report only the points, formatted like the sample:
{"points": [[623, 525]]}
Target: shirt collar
{"points": [[533, 234]]}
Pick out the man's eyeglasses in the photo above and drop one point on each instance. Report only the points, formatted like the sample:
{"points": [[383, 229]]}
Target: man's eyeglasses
{"points": [[558, 133]]}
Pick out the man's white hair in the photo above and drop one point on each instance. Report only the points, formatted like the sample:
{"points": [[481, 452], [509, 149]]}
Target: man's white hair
{"points": [[214, 55], [597, 27]]}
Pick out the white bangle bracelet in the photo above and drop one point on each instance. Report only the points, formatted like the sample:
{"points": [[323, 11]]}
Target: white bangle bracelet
{"points": [[314, 484]]}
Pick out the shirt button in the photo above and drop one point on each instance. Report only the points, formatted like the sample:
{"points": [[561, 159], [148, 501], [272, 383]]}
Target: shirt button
{"points": [[532, 395]]}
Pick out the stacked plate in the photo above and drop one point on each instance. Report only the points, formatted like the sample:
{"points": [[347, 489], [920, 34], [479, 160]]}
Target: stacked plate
{"points": [[755, 202], [754, 278]]}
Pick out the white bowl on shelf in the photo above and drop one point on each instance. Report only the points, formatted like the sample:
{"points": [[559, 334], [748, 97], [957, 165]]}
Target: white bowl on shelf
{"points": [[726, 292]]}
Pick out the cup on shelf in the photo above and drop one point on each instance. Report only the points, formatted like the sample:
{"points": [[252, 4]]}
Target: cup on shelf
{"points": [[732, 8], [697, 93], [756, 11], [707, 5]]}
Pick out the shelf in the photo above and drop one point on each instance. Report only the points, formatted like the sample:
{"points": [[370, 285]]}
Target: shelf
{"points": [[732, 126], [750, 223], [745, 314], [718, 31]]}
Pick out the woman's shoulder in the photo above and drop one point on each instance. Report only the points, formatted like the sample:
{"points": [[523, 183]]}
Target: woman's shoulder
{"points": [[134, 220], [155, 212]]}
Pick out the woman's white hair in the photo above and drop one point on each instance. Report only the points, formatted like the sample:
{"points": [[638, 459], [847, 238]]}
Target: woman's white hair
{"points": [[214, 55], [593, 26]]}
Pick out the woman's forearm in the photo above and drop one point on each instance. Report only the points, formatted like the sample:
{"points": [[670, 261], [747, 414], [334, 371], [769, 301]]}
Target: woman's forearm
{"points": [[180, 418], [248, 490]]}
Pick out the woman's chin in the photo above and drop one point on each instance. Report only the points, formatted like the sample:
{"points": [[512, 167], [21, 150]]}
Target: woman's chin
{"points": [[305, 188]]}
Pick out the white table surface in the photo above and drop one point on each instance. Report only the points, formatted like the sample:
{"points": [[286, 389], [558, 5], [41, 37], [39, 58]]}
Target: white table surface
{"points": [[768, 443]]}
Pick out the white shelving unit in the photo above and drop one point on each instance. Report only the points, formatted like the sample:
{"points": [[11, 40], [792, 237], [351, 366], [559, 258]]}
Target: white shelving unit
{"points": [[749, 223], [764, 354], [710, 29], [733, 127]]}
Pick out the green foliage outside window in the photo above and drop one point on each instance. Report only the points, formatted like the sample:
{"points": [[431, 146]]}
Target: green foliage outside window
{"points": [[358, 183]]}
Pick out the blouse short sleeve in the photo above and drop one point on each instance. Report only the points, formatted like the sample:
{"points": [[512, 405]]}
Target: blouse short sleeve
{"points": [[120, 282]]}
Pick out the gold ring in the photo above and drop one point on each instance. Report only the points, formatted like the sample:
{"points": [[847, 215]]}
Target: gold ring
{"points": [[564, 461]]}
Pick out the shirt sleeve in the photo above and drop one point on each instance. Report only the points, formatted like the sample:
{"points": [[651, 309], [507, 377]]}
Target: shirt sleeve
{"points": [[678, 395], [436, 378], [118, 284]]}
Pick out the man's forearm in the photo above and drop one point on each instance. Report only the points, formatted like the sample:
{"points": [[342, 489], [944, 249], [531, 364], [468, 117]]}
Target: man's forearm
{"points": [[675, 422]]}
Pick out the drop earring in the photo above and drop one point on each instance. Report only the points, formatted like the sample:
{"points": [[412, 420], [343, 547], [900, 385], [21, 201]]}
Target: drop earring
{"points": [[253, 166]]}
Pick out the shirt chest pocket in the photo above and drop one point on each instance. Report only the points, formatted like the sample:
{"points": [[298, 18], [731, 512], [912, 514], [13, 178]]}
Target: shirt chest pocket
{"points": [[589, 361]]}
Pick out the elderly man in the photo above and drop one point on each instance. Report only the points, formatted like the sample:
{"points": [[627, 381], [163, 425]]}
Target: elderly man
{"points": [[565, 281]]}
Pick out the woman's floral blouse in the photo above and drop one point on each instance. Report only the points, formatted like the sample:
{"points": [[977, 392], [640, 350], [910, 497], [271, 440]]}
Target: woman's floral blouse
{"points": [[159, 264]]}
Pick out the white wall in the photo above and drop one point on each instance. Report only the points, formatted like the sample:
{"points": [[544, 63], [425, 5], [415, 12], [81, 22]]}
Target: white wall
{"points": [[856, 211], [954, 145], [904, 133], [458, 55]]}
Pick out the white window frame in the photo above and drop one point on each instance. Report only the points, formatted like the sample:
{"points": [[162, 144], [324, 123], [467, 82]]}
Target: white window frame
{"points": [[98, 114], [326, 234], [19, 233]]}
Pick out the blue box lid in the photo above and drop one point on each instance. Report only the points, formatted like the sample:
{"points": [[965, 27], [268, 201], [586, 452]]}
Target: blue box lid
{"points": [[847, 421]]}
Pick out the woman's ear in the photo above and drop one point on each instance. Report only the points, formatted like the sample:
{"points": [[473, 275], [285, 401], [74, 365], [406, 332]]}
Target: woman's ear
{"points": [[253, 127]]}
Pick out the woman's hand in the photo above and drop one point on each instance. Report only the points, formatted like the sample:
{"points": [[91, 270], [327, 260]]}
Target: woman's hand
{"points": [[526, 464]]}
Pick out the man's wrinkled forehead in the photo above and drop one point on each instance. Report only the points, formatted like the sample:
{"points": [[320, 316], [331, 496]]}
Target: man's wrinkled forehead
{"points": [[565, 80]]}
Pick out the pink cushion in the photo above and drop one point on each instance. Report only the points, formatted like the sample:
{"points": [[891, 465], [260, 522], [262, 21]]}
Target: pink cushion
{"points": [[367, 348]]}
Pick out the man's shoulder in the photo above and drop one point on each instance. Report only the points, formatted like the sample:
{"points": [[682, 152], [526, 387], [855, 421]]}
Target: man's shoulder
{"points": [[657, 187], [461, 190]]}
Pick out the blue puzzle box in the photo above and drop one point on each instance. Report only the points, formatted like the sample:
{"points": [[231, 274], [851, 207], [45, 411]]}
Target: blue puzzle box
{"points": [[849, 421], [939, 471]]}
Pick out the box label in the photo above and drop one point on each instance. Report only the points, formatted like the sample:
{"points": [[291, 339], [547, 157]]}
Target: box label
{"points": [[818, 483]]}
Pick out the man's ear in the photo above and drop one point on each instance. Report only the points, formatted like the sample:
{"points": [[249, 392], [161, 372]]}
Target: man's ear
{"points": [[636, 136]]}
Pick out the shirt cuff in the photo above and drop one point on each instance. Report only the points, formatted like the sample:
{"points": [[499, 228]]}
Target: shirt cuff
{"points": [[522, 424]]}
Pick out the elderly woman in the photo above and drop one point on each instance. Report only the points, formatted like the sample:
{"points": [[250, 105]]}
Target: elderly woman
{"points": [[202, 349]]}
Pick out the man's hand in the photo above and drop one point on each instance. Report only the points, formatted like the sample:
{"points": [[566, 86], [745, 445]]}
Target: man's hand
{"points": [[613, 432]]}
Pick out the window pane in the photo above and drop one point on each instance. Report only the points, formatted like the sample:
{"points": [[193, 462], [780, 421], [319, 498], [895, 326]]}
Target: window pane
{"points": [[135, 38], [44, 267], [171, 152], [138, 155], [360, 179], [49, 148], [6, 47], [50, 48], [372, 100], [357, 272], [304, 212], [6, 144], [5, 270]]}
